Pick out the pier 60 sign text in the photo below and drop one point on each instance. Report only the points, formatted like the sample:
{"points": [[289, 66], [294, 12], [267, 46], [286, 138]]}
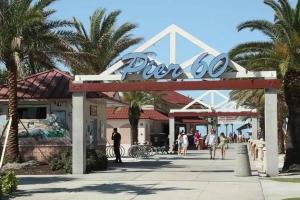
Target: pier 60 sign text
{"points": [[140, 63]]}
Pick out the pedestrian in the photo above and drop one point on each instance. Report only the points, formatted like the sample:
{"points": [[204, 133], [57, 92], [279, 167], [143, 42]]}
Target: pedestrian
{"points": [[197, 139], [179, 142], [222, 145], [212, 141], [185, 143], [234, 138], [116, 137]]}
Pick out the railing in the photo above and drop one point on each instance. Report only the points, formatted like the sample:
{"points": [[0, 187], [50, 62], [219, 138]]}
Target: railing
{"points": [[257, 149]]}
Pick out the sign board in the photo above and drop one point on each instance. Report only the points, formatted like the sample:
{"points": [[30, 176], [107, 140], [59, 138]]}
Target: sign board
{"points": [[227, 120], [140, 63]]}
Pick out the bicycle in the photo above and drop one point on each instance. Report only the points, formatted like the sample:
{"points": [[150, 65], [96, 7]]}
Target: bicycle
{"points": [[141, 151], [111, 153]]}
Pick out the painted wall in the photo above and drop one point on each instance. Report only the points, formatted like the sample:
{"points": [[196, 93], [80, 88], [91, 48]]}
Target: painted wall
{"points": [[58, 122]]}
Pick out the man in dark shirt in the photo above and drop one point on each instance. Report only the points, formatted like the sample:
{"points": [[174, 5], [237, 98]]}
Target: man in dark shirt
{"points": [[116, 137]]}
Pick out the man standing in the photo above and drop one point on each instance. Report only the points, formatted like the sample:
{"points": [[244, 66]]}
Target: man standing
{"points": [[212, 142], [116, 137]]}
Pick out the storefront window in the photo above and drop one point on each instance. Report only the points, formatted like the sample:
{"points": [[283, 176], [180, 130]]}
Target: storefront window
{"points": [[32, 112]]}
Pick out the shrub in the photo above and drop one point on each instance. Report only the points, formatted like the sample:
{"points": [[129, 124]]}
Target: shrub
{"points": [[9, 182], [56, 164], [95, 160], [62, 161]]}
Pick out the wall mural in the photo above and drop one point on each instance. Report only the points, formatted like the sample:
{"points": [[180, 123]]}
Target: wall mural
{"points": [[52, 126]]}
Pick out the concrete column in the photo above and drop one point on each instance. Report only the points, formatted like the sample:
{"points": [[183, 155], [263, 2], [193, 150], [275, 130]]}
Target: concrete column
{"points": [[271, 132], [171, 132], [254, 128], [79, 133]]}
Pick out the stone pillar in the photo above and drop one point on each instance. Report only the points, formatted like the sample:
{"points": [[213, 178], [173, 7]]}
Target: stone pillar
{"points": [[254, 128], [171, 132], [271, 132], [78, 133]]}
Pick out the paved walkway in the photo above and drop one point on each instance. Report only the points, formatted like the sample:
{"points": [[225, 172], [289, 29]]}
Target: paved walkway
{"points": [[163, 177]]}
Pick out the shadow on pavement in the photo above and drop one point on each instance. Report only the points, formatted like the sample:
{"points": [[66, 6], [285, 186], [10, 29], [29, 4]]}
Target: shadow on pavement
{"points": [[114, 188], [43, 180]]}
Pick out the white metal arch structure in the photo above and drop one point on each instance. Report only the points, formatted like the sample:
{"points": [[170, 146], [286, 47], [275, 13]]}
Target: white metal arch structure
{"points": [[223, 106], [112, 74], [101, 83]]}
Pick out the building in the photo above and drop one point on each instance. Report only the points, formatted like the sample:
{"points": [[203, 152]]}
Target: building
{"points": [[154, 119], [45, 111]]}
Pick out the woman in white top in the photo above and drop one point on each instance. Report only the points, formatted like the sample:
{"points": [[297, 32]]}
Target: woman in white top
{"points": [[179, 142], [185, 144]]}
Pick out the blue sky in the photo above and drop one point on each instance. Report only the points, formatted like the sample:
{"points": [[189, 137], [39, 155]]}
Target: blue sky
{"points": [[212, 21]]}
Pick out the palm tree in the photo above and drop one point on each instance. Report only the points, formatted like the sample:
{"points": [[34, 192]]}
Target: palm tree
{"points": [[25, 30], [103, 44], [136, 100], [282, 50], [255, 99]]}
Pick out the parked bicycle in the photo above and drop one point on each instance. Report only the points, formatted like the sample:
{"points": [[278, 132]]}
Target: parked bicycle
{"points": [[110, 151], [141, 151]]}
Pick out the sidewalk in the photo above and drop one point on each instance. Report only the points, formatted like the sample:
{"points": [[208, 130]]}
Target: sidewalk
{"points": [[162, 177]]}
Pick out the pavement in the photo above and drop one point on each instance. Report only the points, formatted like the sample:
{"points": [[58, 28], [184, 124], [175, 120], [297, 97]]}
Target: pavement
{"points": [[161, 177]]}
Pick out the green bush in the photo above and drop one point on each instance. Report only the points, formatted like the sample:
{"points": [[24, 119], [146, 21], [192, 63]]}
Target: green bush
{"points": [[68, 164], [62, 161], [95, 161], [9, 182], [56, 164]]}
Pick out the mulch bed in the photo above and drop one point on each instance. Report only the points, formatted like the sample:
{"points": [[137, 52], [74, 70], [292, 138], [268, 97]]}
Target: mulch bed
{"points": [[42, 169]]}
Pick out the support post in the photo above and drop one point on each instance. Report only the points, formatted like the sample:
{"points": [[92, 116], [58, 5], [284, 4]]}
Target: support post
{"points": [[271, 132], [78, 133], [254, 128], [171, 132]]}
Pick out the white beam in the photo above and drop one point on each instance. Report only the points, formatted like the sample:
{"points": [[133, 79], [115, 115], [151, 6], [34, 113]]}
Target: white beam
{"points": [[271, 132], [171, 132], [78, 133], [173, 47]]}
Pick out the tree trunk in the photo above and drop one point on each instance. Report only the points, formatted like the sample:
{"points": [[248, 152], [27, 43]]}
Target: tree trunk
{"points": [[281, 116], [12, 145], [292, 96], [134, 117]]}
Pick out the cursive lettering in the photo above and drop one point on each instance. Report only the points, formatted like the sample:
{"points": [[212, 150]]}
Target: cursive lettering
{"points": [[140, 63]]}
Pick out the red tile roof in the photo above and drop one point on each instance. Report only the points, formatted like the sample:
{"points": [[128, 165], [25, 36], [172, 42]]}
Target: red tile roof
{"points": [[122, 113], [51, 84], [175, 97]]}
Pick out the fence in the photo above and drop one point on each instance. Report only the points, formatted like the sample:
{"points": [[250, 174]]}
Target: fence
{"points": [[257, 149]]}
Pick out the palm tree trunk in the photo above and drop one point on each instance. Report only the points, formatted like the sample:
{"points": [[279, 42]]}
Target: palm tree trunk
{"points": [[281, 116], [134, 117], [292, 96], [12, 145]]}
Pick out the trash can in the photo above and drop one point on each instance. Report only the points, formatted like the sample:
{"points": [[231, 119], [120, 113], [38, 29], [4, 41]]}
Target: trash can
{"points": [[242, 163]]}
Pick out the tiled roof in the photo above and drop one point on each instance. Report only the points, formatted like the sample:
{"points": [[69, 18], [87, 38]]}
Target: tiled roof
{"points": [[122, 113], [175, 97], [51, 84]]}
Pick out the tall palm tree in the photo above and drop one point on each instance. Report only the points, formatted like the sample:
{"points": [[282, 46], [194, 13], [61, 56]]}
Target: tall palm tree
{"points": [[99, 47], [255, 99], [136, 100], [282, 49], [24, 27]]}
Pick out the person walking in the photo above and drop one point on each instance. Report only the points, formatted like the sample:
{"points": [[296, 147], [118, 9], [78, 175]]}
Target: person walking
{"points": [[212, 141], [222, 145], [185, 144], [116, 137], [179, 142], [197, 139]]}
